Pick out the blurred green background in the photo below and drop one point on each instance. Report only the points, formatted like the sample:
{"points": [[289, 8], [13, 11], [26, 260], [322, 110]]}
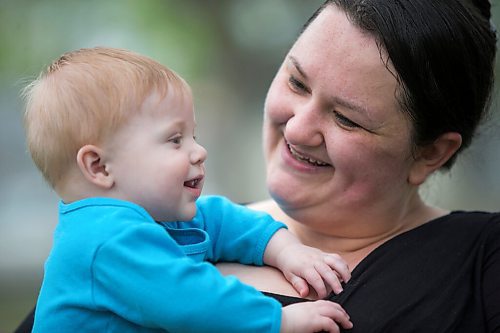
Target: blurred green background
{"points": [[228, 50]]}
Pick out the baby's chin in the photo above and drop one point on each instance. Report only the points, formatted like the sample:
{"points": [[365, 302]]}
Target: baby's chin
{"points": [[187, 215]]}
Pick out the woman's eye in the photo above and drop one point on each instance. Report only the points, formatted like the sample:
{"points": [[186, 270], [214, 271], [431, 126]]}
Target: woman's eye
{"points": [[345, 121], [296, 85]]}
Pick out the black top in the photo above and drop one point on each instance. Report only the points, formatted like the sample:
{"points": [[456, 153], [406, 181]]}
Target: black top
{"points": [[443, 276]]}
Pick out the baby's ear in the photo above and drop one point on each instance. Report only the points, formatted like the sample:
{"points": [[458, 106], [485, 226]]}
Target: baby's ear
{"points": [[92, 166], [433, 156]]}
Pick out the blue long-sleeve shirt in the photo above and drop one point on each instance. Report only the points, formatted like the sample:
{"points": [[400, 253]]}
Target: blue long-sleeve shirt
{"points": [[112, 268]]}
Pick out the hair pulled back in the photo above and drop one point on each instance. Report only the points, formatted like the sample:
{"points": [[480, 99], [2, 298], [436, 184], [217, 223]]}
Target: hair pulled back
{"points": [[443, 52]]}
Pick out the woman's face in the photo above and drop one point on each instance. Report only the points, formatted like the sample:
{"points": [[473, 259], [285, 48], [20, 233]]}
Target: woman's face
{"points": [[335, 140]]}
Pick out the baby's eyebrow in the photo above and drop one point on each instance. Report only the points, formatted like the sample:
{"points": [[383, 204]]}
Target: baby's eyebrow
{"points": [[297, 66]]}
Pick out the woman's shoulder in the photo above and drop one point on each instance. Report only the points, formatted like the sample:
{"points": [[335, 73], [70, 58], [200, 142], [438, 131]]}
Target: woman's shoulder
{"points": [[270, 207], [454, 229], [485, 225], [474, 214], [264, 205], [468, 220], [461, 235]]}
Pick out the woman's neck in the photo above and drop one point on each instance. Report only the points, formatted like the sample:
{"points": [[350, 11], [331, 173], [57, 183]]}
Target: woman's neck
{"points": [[347, 239]]}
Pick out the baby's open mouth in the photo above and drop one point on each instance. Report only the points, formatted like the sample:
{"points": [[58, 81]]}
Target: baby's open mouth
{"points": [[193, 183], [306, 159]]}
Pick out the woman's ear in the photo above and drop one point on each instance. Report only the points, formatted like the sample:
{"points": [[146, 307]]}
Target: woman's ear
{"points": [[433, 156], [92, 166]]}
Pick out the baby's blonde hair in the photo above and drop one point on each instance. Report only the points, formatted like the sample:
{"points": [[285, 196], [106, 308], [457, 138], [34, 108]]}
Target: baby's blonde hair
{"points": [[84, 96]]}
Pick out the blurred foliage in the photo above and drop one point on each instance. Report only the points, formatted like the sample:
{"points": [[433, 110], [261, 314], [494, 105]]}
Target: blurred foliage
{"points": [[234, 38]]}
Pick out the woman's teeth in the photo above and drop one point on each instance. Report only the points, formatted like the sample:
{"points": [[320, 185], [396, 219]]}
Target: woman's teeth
{"points": [[304, 158]]}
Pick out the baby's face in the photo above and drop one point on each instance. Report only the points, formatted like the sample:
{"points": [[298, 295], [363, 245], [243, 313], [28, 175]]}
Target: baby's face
{"points": [[155, 160]]}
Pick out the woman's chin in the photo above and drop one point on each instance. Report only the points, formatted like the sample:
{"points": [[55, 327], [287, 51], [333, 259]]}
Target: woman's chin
{"points": [[286, 192]]}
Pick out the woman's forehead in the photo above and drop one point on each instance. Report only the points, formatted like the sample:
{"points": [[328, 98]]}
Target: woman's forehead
{"points": [[332, 37], [344, 62]]}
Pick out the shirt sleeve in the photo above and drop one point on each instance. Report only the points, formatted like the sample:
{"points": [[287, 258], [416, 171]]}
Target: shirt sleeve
{"points": [[491, 273], [144, 277], [237, 232]]}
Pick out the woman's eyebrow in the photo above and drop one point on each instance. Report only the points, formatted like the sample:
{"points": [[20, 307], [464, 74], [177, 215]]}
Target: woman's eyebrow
{"points": [[297, 66], [351, 105]]}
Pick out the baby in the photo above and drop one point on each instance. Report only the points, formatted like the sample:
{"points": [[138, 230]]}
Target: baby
{"points": [[113, 132]]}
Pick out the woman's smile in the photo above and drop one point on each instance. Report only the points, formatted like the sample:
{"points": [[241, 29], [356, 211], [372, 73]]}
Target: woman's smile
{"points": [[304, 158], [301, 161]]}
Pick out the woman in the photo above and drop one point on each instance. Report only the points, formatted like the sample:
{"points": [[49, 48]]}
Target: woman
{"points": [[373, 98]]}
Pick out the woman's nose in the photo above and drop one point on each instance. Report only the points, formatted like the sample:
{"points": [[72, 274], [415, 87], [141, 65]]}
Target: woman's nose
{"points": [[199, 154], [304, 126]]}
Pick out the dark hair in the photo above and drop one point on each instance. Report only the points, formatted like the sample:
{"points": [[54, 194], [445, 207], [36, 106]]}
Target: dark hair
{"points": [[443, 52]]}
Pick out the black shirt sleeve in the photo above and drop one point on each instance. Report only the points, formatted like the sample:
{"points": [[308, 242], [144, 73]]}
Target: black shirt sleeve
{"points": [[491, 279]]}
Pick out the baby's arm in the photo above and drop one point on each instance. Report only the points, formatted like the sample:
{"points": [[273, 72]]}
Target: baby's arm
{"points": [[304, 265], [251, 237], [162, 288]]}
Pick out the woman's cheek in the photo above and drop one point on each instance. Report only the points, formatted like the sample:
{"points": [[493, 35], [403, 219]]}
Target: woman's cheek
{"points": [[278, 103]]}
